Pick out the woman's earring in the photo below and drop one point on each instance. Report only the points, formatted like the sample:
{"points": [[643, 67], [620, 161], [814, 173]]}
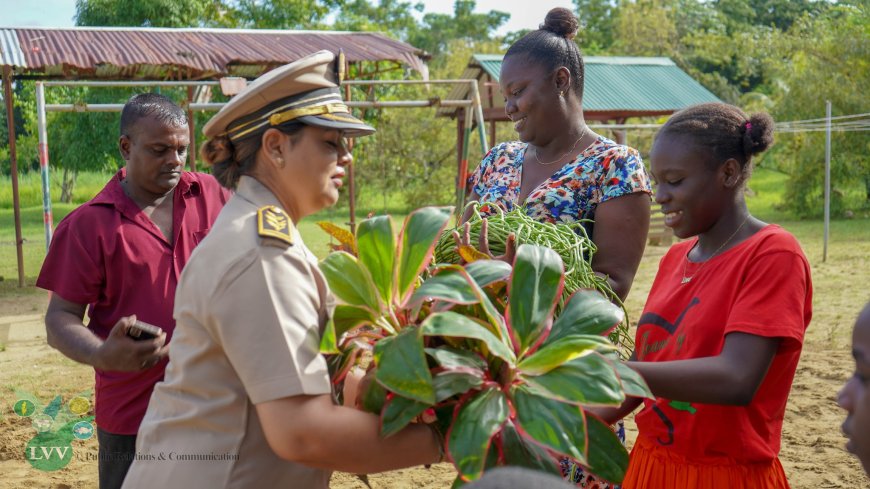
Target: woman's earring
{"points": [[561, 94], [280, 162]]}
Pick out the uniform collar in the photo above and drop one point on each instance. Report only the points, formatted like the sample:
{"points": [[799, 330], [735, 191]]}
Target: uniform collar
{"points": [[250, 189]]}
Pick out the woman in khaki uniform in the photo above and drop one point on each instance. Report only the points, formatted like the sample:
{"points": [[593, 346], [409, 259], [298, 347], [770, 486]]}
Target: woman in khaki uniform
{"points": [[246, 399]]}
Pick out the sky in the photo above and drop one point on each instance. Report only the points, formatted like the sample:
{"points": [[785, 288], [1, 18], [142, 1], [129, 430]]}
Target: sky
{"points": [[525, 14]]}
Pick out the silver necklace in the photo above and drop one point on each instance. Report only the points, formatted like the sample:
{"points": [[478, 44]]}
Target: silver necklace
{"points": [[686, 279], [583, 135]]}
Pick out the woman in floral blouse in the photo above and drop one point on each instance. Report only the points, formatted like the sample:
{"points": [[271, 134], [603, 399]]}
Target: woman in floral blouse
{"points": [[560, 170]]}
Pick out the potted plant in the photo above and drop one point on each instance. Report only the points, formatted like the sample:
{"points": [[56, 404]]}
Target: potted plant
{"points": [[480, 345]]}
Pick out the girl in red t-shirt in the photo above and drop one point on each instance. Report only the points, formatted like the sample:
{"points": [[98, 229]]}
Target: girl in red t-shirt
{"points": [[721, 333]]}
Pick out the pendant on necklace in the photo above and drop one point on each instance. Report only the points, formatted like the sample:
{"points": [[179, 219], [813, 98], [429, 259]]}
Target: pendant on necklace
{"points": [[686, 280]]}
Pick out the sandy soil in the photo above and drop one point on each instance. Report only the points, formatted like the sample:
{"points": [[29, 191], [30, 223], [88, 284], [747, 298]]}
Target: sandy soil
{"points": [[812, 450]]}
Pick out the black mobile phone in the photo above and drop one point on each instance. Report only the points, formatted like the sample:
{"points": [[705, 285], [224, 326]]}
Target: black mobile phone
{"points": [[143, 331]]}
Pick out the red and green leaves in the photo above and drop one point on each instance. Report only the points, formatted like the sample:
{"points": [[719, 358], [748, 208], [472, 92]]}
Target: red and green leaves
{"points": [[377, 252], [402, 366], [482, 345], [416, 245], [535, 287], [476, 421]]}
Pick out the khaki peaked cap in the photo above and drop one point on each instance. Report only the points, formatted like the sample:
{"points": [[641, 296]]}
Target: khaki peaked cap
{"points": [[305, 90]]}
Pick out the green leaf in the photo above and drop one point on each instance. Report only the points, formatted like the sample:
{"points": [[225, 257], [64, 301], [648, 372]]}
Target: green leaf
{"points": [[398, 412], [587, 312], [417, 240], [557, 425], [483, 273], [589, 379], [632, 382], [454, 358], [608, 459], [493, 316], [374, 398], [451, 382], [349, 280], [328, 345], [535, 287], [376, 246], [471, 434], [402, 366], [450, 284], [563, 350], [519, 452], [487, 272], [451, 324], [347, 317]]}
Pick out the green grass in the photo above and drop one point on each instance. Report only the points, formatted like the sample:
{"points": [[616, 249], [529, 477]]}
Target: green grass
{"points": [[33, 233], [88, 184], [764, 197]]}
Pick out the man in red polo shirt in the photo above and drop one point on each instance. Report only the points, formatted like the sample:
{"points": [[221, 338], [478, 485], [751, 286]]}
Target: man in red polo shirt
{"points": [[119, 256]]}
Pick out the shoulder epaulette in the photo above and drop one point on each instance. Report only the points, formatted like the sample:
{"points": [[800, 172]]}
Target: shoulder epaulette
{"points": [[273, 222]]}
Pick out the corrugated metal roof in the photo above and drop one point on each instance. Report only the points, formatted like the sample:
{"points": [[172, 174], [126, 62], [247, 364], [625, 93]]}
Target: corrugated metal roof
{"points": [[152, 53], [634, 85]]}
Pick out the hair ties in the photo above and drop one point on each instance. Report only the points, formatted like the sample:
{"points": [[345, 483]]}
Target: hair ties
{"points": [[748, 126]]}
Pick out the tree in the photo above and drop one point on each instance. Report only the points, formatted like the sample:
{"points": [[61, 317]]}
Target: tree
{"points": [[276, 14], [88, 141], [465, 25], [781, 14], [829, 59], [597, 24], [414, 150], [24, 113], [143, 13], [645, 28], [390, 16]]}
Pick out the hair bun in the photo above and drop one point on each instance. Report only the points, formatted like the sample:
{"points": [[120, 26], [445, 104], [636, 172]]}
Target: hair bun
{"points": [[218, 149], [562, 22], [758, 133]]}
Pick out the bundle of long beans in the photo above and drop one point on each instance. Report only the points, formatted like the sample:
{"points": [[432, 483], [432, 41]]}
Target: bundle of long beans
{"points": [[570, 241]]}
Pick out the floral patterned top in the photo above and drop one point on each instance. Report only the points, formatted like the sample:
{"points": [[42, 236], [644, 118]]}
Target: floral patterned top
{"points": [[603, 171]]}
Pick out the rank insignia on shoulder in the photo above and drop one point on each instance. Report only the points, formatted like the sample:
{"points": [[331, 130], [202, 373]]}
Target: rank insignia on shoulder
{"points": [[272, 222]]}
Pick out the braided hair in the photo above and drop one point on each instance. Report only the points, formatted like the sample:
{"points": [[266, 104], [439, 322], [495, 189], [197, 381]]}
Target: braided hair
{"points": [[725, 130], [552, 45]]}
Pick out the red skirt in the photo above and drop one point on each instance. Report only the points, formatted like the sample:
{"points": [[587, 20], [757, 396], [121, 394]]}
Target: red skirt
{"points": [[654, 467]]}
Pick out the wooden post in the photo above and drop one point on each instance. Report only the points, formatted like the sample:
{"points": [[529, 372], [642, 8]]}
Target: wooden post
{"points": [[620, 134], [827, 179], [351, 188], [13, 158], [462, 135], [191, 123], [489, 89]]}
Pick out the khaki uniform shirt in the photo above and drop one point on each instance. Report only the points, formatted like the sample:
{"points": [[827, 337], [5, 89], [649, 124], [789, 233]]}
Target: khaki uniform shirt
{"points": [[249, 312]]}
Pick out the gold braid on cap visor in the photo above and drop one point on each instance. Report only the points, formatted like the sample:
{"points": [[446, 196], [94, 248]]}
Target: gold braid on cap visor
{"points": [[321, 105], [279, 118]]}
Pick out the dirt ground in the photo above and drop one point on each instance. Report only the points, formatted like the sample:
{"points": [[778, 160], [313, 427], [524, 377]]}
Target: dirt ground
{"points": [[812, 446]]}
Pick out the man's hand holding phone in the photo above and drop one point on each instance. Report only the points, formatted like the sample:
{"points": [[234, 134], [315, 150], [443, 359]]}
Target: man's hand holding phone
{"points": [[131, 346]]}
